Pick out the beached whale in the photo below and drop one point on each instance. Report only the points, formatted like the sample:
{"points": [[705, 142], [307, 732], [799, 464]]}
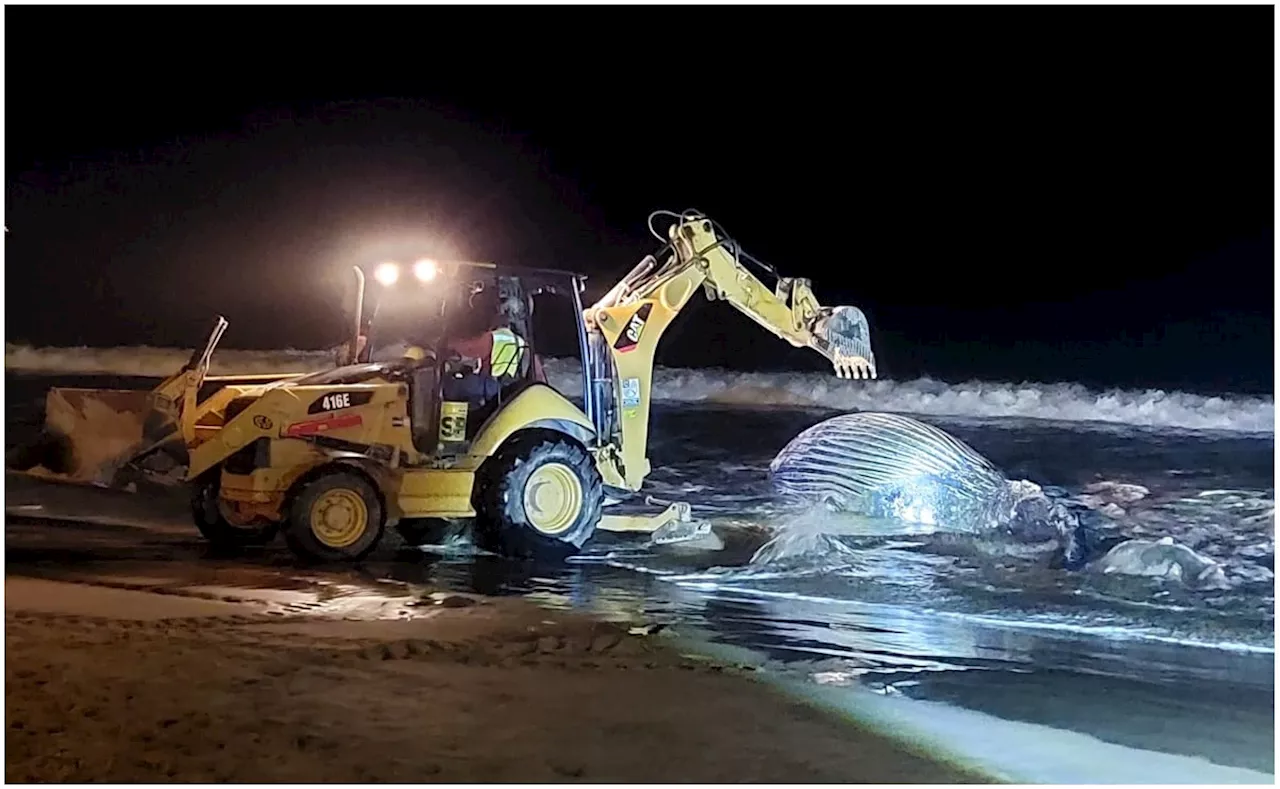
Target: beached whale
{"points": [[893, 467]]}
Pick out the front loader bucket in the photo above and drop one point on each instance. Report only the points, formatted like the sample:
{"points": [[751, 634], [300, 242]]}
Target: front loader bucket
{"points": [[88, 434]]}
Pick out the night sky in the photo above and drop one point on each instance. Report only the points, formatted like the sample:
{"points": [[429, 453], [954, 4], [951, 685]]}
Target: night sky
{"points": [[1072, 193]]}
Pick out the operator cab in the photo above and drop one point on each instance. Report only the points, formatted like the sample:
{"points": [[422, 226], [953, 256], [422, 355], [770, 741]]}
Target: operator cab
{"points": [[463, 341]]}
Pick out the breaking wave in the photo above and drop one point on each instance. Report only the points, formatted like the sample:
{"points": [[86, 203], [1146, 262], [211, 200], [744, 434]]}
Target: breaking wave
{"points": [[923, 396]]}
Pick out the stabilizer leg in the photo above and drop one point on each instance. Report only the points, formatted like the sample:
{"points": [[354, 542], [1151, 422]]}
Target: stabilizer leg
{"points": [[675, 524]]}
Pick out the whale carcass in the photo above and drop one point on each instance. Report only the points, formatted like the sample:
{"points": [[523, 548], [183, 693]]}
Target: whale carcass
{"points": [[893, 466], [890, 466]]}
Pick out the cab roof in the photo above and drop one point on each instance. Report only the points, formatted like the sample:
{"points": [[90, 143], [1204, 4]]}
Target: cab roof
{"points": [[513, 271]]}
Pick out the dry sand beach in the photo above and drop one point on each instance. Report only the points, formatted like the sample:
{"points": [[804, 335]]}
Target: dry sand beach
{"points": [[110, 683]]}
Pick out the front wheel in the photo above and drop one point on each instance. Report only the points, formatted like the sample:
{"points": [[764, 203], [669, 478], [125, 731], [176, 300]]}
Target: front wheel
{"points": [[539, 498], [335, 517], [214, 526]]}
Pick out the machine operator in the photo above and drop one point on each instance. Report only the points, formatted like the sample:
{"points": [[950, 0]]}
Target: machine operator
{"points": [[488, 338]]}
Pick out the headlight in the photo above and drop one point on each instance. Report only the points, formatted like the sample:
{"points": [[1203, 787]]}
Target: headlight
{"points": [[387, 274], [425, 270]]}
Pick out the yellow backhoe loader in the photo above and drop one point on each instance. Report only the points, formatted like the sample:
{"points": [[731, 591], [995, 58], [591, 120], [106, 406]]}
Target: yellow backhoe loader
{"points": [[333, 458]]}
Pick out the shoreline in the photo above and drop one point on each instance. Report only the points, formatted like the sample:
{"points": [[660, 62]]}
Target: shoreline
{"points": [[124, 685]]}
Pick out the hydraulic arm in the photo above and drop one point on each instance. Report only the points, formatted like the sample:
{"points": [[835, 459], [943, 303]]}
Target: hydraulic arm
{"points": [[631, 318]]}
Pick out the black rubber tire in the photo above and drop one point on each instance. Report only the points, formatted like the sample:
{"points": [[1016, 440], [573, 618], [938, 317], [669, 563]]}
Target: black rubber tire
{"points": [[429, 531], [218, 530], [303, 541], [502, 525]]}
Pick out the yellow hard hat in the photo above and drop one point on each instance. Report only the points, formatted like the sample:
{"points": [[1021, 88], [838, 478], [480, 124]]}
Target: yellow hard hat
{"points": [[414, 353]]}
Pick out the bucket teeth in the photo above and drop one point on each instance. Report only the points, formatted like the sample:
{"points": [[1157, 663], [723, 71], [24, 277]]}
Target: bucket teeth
{"points": [[847, 333]]}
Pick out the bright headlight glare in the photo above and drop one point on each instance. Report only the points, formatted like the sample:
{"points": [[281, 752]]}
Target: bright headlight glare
{"points": [[387, 274], [425, 270]]}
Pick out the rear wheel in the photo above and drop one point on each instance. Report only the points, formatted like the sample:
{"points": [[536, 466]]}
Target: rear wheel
{"points": [[220, 532], [539, 498], [335, 517]]}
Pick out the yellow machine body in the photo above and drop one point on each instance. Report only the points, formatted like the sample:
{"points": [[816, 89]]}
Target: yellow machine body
{"points": [[281, 441]]}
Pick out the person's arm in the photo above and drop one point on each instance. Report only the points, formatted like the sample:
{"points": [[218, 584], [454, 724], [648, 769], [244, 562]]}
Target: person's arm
{"points": [[539, 374]]}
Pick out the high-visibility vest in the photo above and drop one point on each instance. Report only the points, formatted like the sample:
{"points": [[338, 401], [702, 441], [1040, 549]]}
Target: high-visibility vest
{"points": [[505, 354]]}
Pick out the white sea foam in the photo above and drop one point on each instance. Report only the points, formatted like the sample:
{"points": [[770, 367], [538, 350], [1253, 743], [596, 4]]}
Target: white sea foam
{"points": [[923, 396]]}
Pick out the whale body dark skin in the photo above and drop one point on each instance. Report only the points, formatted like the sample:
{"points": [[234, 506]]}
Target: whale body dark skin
{"points": [[893, 466]]}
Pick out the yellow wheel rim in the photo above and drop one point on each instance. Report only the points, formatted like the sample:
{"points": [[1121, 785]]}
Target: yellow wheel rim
{"points": [[553, 498], [339, 517]]}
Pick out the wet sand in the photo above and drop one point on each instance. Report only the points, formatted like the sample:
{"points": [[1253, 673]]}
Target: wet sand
{"points": [[118, 684]]}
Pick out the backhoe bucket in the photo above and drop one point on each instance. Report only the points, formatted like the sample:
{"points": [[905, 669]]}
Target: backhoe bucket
{"points": [[846, 332]]}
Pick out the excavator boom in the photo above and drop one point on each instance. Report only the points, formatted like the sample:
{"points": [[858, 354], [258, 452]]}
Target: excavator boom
{"points": [[630, 319], [790, 310]]}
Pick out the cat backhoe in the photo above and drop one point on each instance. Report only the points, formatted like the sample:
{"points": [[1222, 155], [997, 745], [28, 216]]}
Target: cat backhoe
{"points": [[333, 458]]}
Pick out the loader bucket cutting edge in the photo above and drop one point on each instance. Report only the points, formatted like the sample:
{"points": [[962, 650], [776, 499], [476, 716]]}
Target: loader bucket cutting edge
{"points": [[90, 432]]}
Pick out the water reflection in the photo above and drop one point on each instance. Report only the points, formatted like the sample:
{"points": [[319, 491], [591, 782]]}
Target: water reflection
{"points": [[1148, 694]]}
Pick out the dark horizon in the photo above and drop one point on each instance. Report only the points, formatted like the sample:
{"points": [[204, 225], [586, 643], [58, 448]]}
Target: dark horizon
{"points": [[1052, 194]]}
